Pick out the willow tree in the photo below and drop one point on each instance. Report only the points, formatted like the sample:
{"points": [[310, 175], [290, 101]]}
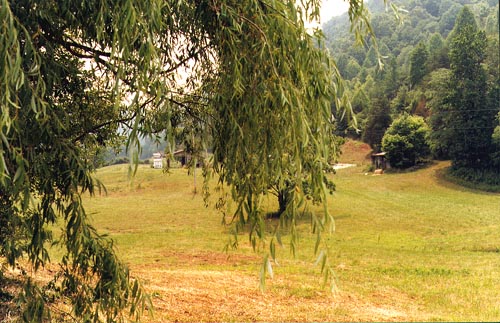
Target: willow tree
{"points": [[73, 72]]}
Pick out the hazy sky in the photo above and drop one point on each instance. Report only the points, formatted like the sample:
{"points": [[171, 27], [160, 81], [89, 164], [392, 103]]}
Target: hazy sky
{"points": [[331, 8]]}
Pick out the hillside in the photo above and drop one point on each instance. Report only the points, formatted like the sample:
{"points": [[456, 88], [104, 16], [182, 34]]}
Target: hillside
{"points": [[423, 19], [439, 73]]}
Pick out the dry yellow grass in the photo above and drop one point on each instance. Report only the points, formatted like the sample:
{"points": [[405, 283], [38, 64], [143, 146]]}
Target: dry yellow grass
{"points": [[183, 295]]}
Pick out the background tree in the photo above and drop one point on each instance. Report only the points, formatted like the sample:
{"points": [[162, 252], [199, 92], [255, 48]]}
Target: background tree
{"points": [[378, 121], [471, 122], [418, 64], [405, 142], [438, 52], [496, 144], [351, 69], [438, 91], [448, 17], [391, 78]]}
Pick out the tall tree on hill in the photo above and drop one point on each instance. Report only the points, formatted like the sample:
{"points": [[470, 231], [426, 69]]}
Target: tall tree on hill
{"points": [[438, 52], [378, 120], [391, 78], [471, 120], [438, 92], [448, 17], [418, 63]]}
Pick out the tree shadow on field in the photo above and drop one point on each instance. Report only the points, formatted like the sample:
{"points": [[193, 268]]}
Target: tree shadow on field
{"points": [[444, 179], [273, 219], [9, 311]]}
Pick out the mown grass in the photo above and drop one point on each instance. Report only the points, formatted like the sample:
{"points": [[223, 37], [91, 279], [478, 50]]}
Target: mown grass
{"points": [[435, 241], [410, 241]]}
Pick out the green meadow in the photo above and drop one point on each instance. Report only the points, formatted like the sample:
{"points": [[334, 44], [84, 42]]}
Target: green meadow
{"points": [[407, 247]]}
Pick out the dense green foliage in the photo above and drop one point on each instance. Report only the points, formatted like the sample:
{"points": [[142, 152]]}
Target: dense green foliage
{"points": [[438, 92], [405, 142], [245, 77], [471, 120], [378, 121], [418, 64], [434, 67]]}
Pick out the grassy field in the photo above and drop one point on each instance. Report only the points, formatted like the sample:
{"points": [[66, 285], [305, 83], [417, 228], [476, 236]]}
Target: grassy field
{"points": [[407, 247]]}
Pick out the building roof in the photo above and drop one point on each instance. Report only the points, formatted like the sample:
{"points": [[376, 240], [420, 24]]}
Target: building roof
{"points": [[179, 152]]}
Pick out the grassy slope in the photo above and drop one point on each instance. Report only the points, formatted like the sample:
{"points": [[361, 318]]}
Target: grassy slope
{"points": [[407, 247], [437, 243]]}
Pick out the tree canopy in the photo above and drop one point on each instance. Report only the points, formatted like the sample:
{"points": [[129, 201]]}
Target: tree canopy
{"points": [[418, 63], [74, 74]]}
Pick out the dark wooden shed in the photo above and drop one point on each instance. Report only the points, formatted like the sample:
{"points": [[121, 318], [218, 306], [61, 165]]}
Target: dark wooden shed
{"points": [[379, 161], [182, 156]]}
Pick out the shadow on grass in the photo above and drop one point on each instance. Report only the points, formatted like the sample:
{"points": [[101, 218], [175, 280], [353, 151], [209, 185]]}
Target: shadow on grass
{"points": [[9, 311], [445, 179]]}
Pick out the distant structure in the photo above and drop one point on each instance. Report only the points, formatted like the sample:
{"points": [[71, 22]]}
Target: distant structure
{"points": [[379, 161], [182, 156], [157, 161]]}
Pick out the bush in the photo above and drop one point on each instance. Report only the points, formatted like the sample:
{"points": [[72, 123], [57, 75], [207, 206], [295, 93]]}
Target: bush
{"points": [[120, 160], [405, 142]]}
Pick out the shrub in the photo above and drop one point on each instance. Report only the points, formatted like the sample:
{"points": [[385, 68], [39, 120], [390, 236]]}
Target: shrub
{"points": [[405, 142], [120, 160]]}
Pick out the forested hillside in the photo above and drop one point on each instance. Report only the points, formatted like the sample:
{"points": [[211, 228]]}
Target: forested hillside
{"points": [[440, 62]]}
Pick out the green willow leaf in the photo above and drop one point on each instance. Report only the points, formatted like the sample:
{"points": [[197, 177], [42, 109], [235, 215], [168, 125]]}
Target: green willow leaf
{"points": [[247, 77]]}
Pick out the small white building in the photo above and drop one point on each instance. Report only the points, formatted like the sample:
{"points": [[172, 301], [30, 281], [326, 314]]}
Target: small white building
{"points": [[157, 161]]}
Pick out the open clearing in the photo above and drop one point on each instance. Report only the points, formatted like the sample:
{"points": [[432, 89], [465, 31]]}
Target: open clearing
{"points": [[407, 247]]}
